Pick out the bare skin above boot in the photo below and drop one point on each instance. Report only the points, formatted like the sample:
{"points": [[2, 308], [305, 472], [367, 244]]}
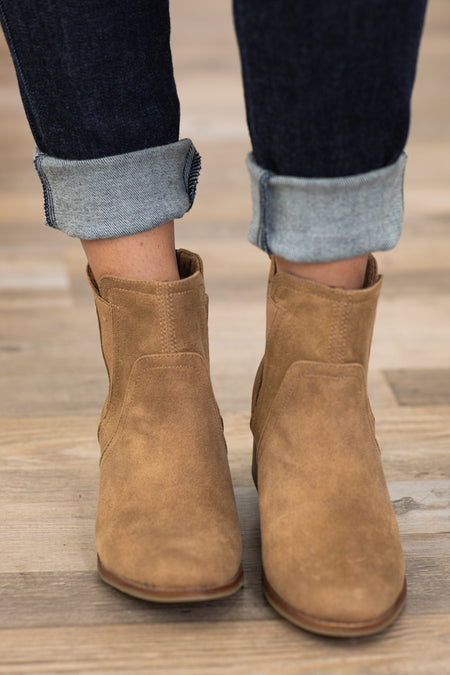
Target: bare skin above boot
{"points": [[167, 528], [332, 556]]}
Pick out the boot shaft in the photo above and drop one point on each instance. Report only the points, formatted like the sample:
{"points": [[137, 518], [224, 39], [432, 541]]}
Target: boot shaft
{"points": [[311, 322], [139, 318], [321, 323]]}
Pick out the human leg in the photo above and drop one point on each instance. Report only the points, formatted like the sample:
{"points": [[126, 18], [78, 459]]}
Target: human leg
{"points": [[145, 255], [99, 83], [327, 94], [98, 88], [348, 273]]}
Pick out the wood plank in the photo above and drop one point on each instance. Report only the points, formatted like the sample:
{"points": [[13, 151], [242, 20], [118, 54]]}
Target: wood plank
{"points": [[412, 645], [427, 560], [35, 299], [421, 506], [47, 464], [30, 273], [80, 598], [418, 282], [398, 342], [420, 386], [55, 393], [414, 442], [56, 534], [380, 393]]}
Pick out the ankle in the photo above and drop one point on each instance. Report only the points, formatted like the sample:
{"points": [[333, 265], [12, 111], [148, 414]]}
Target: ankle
{"points": [[146, 256], [348, 274]]}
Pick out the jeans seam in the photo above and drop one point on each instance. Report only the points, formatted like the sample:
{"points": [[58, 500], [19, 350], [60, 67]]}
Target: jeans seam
{"points": [[191, 173], [49, 209], [263, 183]]}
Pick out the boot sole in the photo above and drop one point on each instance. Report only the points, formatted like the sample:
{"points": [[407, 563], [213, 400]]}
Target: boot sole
{"points": [[169, 595], [334, 628]]}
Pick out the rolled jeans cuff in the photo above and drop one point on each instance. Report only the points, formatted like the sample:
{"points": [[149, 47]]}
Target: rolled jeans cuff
{"points": [[326, 219], [110, 197]]}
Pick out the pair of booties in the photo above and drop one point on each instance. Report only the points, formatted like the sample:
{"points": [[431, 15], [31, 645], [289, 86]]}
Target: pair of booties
{"points": [[167, 528]]}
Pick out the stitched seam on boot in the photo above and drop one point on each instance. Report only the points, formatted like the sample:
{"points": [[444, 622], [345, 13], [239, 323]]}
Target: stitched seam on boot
{"points": [[171, 323], [333, 333], [342, 335], [152, 287], [162, 321], [159, 290], [190, 290]]}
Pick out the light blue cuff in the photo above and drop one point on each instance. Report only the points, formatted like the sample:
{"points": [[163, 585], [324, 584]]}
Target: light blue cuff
{"points": [[325, 219], [123, 194]]}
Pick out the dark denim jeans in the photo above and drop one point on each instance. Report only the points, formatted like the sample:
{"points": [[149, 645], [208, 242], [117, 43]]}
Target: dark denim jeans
{"points": [[327, 90], [95, 76], [327, 84]]}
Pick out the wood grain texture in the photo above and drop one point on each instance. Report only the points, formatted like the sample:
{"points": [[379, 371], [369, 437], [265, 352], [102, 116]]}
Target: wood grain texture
{"points": [[80, 598], [56, 616], [420, 386], [255, 647]]}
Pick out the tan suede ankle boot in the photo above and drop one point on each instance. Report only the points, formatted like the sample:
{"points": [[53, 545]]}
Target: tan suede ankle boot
{"points": [[331, 550], [167, 528]]}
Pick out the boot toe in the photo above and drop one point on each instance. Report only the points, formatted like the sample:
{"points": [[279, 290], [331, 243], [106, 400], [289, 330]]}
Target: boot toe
{"points": [[349, 603], [172, 568]]}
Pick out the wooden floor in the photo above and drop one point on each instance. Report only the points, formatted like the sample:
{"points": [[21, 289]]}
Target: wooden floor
{"points": [[56, 616]]}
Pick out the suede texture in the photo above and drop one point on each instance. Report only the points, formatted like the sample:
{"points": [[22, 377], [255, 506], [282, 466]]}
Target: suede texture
{"points": [[330, 542], [166, 517]]}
